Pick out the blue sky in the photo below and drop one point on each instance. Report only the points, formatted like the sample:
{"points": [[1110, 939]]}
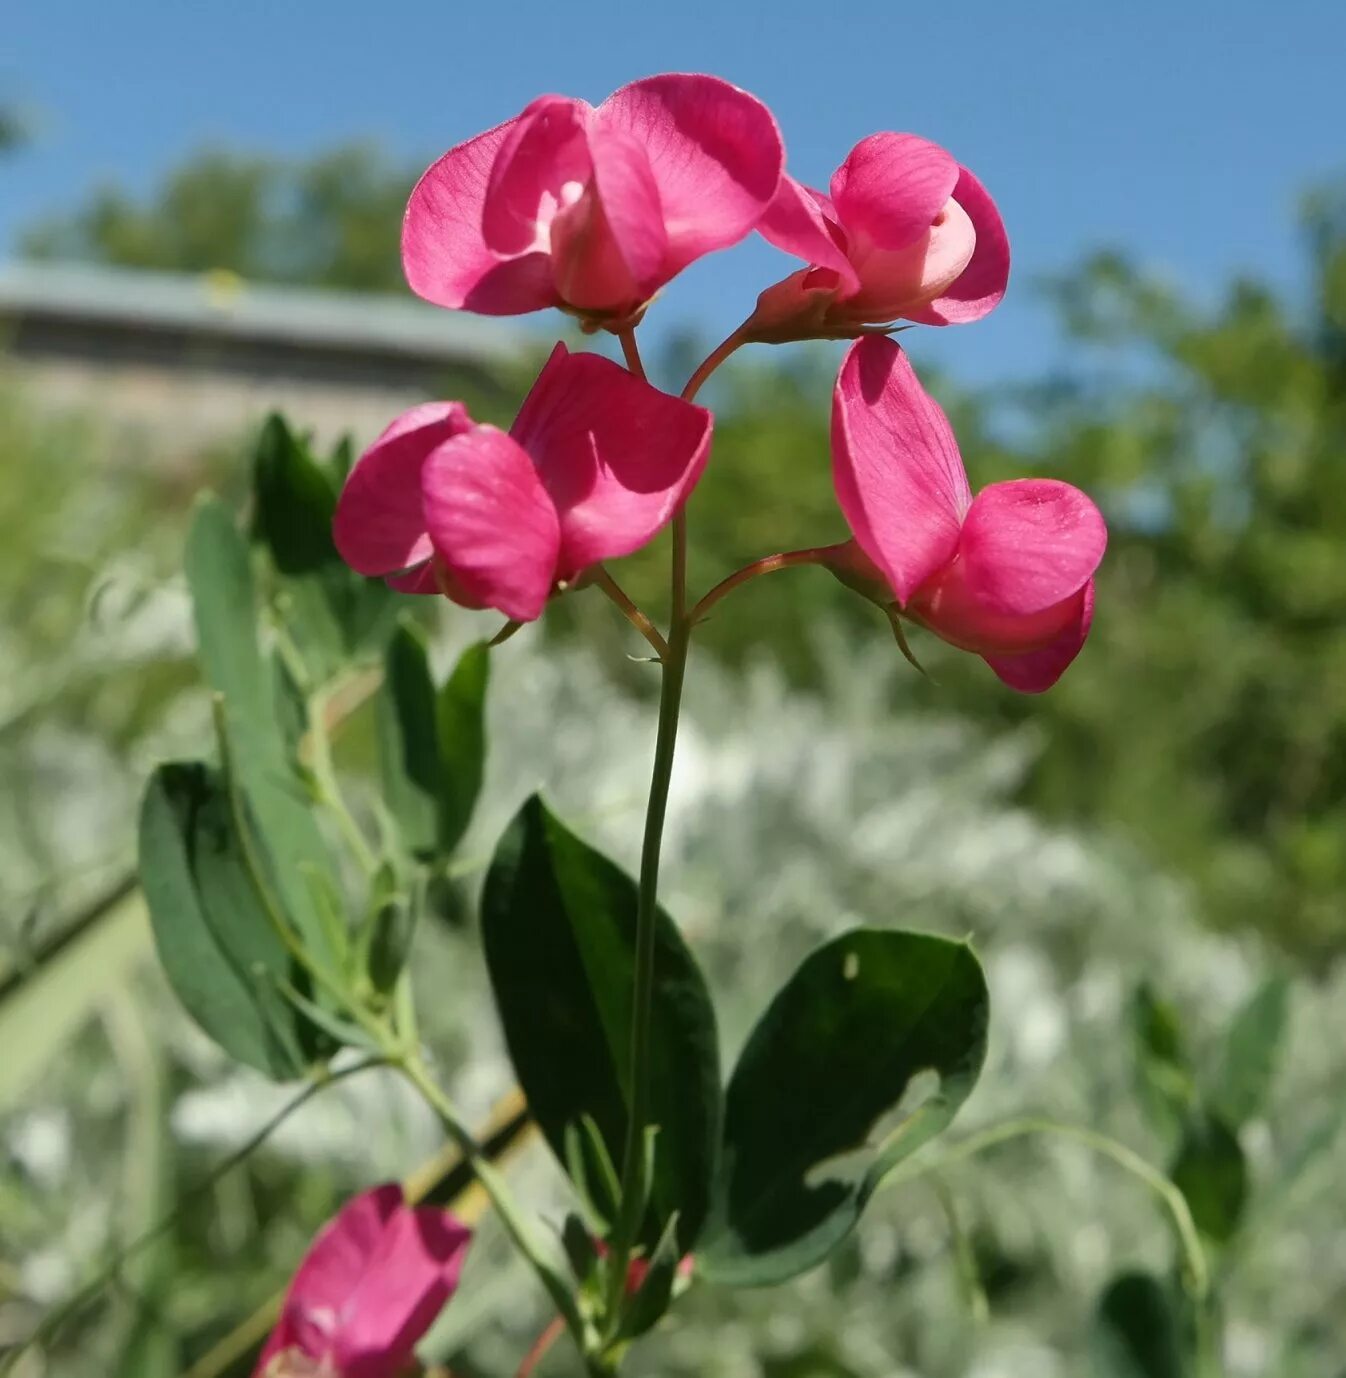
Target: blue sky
{"points": [[1183, 132]]}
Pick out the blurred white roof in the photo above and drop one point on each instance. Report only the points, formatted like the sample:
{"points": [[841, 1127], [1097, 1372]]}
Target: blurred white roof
{"points": [[224, 304]]}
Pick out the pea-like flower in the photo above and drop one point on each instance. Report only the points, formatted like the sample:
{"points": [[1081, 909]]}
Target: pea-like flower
{"points": [[370, 1286], [595, 465], [1007, 574], [592, 209], [906, 233]]}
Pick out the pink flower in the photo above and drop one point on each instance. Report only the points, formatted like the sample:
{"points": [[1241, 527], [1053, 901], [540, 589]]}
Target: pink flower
{"points": [[906, 233], [592, 210], [370, 1286], [596, 463], [1008, 574]]}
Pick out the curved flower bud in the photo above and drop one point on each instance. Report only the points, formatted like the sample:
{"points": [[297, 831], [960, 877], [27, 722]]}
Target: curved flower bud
{"points": [[905, 233], [595, 465], [369, 1287], [592, 209], [1007, 574]]}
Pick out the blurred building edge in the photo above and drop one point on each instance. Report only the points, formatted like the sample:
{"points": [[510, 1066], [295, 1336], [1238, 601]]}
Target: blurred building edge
{"points": [[187, 359]]}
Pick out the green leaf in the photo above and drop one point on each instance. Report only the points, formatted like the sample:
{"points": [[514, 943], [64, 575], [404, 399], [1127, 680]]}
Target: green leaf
{"points": [[215, 940], [411, 767], [432, 745], [837, 1050], [1250, 1052], [294, 501], [1137, 1332], [650, 1303], [1212, 1174], [220, 579], [461, 721], [559, 927], [1163, 1072]]}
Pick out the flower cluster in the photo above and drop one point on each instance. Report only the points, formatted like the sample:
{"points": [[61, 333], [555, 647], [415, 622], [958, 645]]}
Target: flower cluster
{"points": [[592, 209]]}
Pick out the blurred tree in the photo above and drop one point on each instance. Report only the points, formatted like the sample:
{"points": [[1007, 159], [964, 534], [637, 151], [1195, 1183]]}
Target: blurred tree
{"points": [[331, 221]]}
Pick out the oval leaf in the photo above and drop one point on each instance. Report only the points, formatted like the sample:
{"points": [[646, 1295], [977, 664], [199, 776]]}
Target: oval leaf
{"points": [[1137, 1333], [215, 941], [835, 1052], [559, 926]]}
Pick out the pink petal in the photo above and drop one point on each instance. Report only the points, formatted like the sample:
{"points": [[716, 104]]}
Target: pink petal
{"points": [[330, 1273], [982, 284], [493, 525], [408, 1278], [891, 188], [421, 579], [895, 463], [609, 247], [901, 282], [801, 221], [543, 150], [616, 455], [379, 525], [715, 153], [1029, 544], [444, 254], [1038, 670]]}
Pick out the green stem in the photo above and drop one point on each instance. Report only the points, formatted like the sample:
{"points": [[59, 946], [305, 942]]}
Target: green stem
{"points": [[789, 559], [329, 787], [712, 361], [670, 703], [497, 1189], [1196, 1273]]}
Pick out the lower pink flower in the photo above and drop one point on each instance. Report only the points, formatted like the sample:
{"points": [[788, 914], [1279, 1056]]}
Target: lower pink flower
{"points": [[370, 1286], [595, 465], [1007, 575]]}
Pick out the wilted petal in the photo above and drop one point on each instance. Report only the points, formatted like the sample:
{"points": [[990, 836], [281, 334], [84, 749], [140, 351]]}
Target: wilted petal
{"points": [[714, 151], [617, 456], [980, 287], [444, 254], [801, 221], [892, 187], [1029, 544], [895, 463], [1036, 671], [379, 525], [544, 151], [493, 526]]}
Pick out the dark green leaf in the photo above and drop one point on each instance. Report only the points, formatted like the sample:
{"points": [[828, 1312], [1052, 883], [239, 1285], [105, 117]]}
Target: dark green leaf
{"points": [[1137, 1333], [390, 941], [1163, 1072], [579, 1247], [411, 768], [558, 924], [293, 502], [461, 722], [836, 1052], [220, 580], [214, 938], [1249, 1064], [1212, 1174]]}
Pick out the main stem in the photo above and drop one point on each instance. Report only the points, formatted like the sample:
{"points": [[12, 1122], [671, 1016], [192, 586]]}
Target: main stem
{"points": [[647, 900], [674, 667]]}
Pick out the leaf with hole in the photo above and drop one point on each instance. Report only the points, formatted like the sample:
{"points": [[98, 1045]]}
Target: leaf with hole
{"points": [[841, 1049]]}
